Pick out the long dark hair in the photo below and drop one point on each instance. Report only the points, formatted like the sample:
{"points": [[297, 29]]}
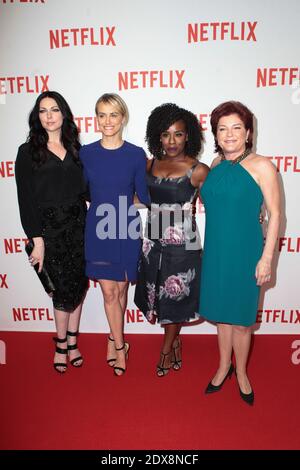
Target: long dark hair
{"points": [[38, 136]]}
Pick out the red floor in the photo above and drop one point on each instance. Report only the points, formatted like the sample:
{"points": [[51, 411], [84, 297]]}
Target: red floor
{"points": [[90, 408]]}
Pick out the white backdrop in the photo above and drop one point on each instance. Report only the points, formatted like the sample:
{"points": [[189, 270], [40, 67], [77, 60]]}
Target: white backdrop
{"points": [[194, 53]]}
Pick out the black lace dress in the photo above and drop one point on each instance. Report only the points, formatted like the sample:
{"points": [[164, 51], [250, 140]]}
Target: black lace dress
{"points": [[167, 288], [52, 206]]}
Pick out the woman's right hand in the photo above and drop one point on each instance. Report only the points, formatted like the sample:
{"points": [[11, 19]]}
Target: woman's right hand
{"points": [[38, 253]]}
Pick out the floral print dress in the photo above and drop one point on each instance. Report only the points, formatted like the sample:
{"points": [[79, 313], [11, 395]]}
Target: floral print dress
{"points": [[167, 288]]}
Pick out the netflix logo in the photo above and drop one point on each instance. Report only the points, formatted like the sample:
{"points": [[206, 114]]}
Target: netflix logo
{"points": [[278, 316], [73, 37], [277, 76], [87, 124], [134, 316], [151, 79], [289, 244], [286, 164], [203, 120], [7, 169], [31, 314], [35, 84], [220, 31], [14, 245], [3, 281]]}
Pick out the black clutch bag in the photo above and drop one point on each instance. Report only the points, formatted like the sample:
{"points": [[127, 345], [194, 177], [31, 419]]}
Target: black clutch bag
{"points": [[43, 275]]}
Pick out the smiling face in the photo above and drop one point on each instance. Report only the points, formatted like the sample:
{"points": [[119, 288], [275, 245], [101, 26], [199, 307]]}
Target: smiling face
{"points": [[50, 115], [232, 135], [110, 119], [173, 139]]}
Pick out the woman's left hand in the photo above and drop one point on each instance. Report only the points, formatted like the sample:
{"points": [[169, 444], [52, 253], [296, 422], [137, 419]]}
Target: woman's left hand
{"points": [[263, 271], [38, 253]]}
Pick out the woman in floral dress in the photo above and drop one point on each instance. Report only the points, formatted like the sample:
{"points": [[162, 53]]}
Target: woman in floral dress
{"points": [[167, 289]]}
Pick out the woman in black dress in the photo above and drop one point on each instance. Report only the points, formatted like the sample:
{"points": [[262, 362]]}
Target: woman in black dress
{"points": [[167, 289], [51, 193]]}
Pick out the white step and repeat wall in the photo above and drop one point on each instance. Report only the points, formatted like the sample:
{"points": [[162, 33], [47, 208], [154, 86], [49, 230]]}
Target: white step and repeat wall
{"points": [[194, 53]]}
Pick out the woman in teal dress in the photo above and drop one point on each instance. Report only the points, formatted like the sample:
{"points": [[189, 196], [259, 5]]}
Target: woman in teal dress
{"points": [[236, 262]]}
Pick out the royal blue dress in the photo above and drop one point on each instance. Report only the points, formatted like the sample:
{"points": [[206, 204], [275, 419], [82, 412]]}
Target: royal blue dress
{"points": [[112, 234]]}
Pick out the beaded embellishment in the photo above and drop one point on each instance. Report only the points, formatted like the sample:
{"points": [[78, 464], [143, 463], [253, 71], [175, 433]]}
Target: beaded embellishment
{"points": [[238, 159]]}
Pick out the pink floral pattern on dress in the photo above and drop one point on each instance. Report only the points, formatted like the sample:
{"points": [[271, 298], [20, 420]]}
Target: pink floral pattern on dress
{"points": [[173, 236], [151, 313], [147, 245], [177, 287]]}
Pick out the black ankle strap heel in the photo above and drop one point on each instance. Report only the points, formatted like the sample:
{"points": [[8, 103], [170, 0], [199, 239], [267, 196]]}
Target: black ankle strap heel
{"points": [[72, 347], [161, 370], [121, 369], [58, 365], [111, 361]]}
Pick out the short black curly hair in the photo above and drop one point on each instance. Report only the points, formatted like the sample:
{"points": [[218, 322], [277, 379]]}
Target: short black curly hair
{"points": [[161, 118]]}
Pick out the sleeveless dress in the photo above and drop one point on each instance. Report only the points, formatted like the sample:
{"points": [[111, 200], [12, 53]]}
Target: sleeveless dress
{"points": [[167, 288], [233, 245]]}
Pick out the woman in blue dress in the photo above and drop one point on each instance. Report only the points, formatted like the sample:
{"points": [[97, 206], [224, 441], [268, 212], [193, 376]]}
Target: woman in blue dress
{"points": [[115, 170], [236, 262]]}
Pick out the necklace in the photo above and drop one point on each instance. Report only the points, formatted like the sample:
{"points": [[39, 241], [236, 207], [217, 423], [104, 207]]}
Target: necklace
{"points": [[237, 159]]}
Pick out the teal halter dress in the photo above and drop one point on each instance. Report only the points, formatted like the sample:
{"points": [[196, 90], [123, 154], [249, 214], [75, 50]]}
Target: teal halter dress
{"points": [[232, 247]]}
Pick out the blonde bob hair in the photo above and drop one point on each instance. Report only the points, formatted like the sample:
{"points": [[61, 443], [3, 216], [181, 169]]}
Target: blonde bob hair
{"points": [[114, 100]]}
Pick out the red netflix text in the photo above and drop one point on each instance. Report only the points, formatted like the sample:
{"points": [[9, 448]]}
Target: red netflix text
{"points": [[87, 124], [219, 31], [3, 281], [7, 169], [31, 313], [289, 244], [14, 245], [287, 163], [151, 79], [12, 85], [134, 316], [278, 316], [277, 76], [102, 36], [204, 120]]}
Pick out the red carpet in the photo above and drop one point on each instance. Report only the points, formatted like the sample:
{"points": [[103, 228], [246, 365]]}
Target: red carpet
{"points": [[90, 408]]}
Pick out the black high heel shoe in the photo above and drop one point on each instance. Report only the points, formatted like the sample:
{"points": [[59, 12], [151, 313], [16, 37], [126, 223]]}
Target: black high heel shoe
{"points": [[177, 355], [60, 367], [215, 388], [71, 348], [161, 370], [247, 397], [125, 346], [112, 360]]}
